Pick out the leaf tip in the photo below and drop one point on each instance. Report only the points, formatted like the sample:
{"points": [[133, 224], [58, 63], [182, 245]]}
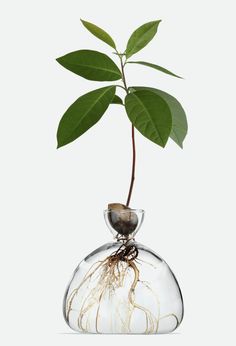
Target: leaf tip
{"points": [[158, 21], [180, 144], [59, 144], [163, 144], [58, 60], [85, 23]]}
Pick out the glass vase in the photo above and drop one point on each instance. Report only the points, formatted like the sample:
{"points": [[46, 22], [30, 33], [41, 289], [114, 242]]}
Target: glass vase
{"points": [[123, 287]]}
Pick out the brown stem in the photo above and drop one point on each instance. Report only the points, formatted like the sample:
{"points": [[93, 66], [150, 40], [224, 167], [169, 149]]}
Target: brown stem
{"points": [[133, 168], [133, 139]]}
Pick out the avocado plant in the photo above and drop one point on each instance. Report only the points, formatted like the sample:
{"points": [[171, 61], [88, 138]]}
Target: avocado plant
{"points": [[156, 114]]}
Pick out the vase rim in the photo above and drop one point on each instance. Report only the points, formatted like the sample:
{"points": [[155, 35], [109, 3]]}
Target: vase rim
{"points": [[142, 211]]}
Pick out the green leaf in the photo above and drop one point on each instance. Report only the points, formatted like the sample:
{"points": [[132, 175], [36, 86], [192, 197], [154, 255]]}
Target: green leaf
{"points": [[141, 37], [83, 114], [117, 100], [156, 67], [91, 65], [179, 121], [99, 33], [150, 114]]}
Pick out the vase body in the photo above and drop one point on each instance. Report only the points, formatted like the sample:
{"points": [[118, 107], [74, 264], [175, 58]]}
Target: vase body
{"points": [[123, 287]]}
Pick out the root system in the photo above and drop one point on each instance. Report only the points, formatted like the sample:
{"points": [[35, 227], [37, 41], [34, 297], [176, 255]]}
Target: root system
{"points": [[110, 275]]}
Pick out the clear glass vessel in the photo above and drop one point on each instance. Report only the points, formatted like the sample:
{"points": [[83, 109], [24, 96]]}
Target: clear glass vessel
{"points": [[123, 286]]}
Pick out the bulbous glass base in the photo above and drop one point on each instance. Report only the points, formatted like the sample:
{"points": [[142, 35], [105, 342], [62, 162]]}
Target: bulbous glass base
{"points": [[123, 287]]}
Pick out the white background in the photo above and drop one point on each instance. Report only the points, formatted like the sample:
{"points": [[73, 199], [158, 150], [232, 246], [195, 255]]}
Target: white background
{"points": [[53, 200]]}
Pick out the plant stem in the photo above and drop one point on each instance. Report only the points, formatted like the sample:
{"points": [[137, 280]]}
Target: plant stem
{"points": [[133, 138], [123, 74], [133, 168]]}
